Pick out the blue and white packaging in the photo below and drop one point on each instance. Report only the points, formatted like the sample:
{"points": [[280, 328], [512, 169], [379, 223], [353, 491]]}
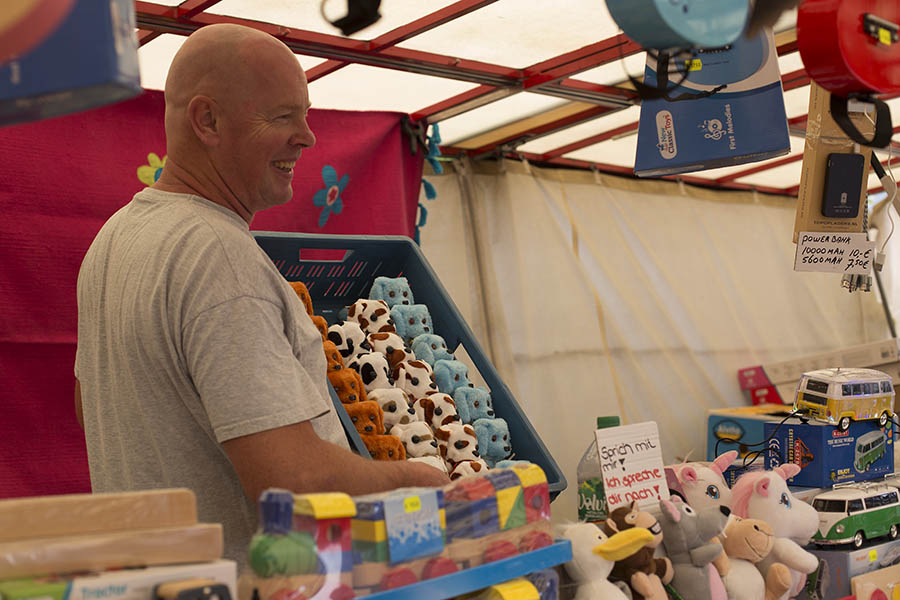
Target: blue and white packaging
{"points": [[743, 122], [89, 61]]}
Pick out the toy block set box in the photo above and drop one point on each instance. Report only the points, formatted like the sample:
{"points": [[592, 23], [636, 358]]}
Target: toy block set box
{"points": [[741, 429], [838, 566], [826, 455], [727, 88], [776, 382], [91, 59]]}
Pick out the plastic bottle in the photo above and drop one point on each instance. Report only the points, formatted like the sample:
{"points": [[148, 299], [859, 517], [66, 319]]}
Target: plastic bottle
{"points": [[591, 498]]}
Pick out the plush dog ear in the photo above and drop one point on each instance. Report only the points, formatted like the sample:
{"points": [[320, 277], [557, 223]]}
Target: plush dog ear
{"points": [[368, 374]]}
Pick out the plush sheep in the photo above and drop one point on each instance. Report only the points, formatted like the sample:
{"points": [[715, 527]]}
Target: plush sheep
{"points": [[431, 348], [392, 291]]}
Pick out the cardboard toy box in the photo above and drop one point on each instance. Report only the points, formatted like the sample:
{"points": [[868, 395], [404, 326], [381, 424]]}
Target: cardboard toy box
{"points": [[827, 456], [126, 584], [90, 60], [776, 382], [843, 564], [740, 428]]}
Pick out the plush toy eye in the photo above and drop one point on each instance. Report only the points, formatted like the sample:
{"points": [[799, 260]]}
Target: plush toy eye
{"points": [[424, 322], [785, 500], [456, 378], [434, 346], [391, 294], [412, 321], [372, 417], [476, 404], [460, 445], [493, 438], [352, 385], [713, 492], [631, 517], [390, 349], [392, 407], [405, 294], [414, 381], [415, 439], [354, 419], [688, 509], [390, 452], [439, 411], [504, 438]]}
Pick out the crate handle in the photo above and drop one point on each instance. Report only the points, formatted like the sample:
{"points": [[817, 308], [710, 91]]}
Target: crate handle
{"points": [[321, 255]]}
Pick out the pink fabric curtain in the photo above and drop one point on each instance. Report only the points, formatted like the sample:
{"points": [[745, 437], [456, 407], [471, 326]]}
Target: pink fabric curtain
{"points": [[59, 182]]}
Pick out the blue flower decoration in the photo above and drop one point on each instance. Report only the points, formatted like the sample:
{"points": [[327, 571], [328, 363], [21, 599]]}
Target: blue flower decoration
{"points": [[330, 197]]}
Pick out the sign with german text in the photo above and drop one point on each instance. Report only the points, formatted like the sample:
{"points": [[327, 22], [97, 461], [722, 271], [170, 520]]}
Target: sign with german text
{"points": [[632, 465]]}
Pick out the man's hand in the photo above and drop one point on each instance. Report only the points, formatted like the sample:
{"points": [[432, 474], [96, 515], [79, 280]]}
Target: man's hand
{"points": [[422, 475]]}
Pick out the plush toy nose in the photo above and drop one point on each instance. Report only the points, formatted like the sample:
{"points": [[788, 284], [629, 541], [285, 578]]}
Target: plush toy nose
{"points": [[369, 428], [411, 411], [352, 397], [725, 510], [434, 443], [506, 448], [490, 413], [404, 419]]}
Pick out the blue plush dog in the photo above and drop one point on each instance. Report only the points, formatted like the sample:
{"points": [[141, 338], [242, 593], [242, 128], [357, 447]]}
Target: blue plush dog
{"points": [[411, 320], [431, 348], [393, 290], [493, 440], [473, 403], [450, 375]]}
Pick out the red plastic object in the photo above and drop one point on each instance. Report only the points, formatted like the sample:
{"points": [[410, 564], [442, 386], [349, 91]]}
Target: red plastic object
{"points": [[499, 551], [343, 592], [841, 49], [398, 578], [438, 567], [534, 540]]}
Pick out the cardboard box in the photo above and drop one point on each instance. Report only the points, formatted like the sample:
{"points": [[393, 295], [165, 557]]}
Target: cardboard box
{"points": [[128, 584], [886, 580], [843, 564], [718, 130], [824, 137], [826, 455], [776, 382], [740, 427], [90, 60]]}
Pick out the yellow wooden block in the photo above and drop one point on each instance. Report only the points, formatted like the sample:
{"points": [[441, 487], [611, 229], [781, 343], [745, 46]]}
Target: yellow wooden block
{"points": [[530, 475], [368, 531], [333, 505], [506, 499], [517, 589]]}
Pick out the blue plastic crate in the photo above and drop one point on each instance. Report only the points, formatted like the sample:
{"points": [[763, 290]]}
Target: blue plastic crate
{"points": [[338, 270]]}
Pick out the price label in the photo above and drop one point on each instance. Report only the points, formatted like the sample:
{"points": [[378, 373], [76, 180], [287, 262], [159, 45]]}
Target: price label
{"points": [[884, 36], [693, 64], [849, 253], [412, 504]]}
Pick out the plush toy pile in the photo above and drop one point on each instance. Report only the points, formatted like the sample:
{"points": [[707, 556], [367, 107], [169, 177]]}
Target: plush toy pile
{"points": [[402, 387]]}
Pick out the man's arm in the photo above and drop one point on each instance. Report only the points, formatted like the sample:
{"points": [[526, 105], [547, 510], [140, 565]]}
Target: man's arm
{"points": [[78, 414], [294, 457]]}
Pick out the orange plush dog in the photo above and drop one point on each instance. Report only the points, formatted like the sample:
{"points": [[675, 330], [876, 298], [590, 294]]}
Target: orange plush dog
{"points": [[348, 385], [367, 417], [384, 447], [303, 294], [321, 324], [333, 356]]}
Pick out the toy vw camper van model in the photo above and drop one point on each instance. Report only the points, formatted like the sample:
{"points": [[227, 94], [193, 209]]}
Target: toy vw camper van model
{"points": [[854, 514], [869, 448], [840, 396]]}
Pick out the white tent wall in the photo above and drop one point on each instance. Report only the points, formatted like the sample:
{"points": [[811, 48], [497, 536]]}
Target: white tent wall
{"points": [[598, 296]]}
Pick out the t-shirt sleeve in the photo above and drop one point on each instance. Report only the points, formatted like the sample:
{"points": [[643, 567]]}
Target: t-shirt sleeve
{"points": [[242, 365]]}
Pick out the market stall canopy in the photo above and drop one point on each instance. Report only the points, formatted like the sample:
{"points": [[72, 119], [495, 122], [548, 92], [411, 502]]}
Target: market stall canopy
{"points": [[545, 81]]}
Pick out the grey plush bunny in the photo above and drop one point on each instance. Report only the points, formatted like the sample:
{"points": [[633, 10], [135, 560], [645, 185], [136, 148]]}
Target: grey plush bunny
{"points": [[686, 535]]}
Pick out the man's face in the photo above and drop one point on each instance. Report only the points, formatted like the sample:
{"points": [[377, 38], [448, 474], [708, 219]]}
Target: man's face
{"points": [[265, 133]]}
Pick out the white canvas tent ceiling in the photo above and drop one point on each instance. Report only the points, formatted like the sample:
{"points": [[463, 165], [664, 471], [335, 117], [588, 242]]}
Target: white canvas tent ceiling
{"points": [[542, 80]]}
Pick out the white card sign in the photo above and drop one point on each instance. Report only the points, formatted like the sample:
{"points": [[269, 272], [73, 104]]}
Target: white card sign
{"points": [[632, 465], [834, 253]]}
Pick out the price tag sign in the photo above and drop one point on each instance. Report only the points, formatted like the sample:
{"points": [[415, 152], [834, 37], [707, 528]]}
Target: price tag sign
{"points": [[632, 465], [849, 253]]}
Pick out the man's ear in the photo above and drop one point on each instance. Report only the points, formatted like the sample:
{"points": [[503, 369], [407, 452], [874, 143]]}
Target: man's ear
{"points": [[203, 115]]}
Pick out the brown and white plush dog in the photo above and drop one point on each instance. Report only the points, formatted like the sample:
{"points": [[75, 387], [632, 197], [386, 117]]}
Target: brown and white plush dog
{"points": [[395, 405], [392, 346], [373, 316], [417, 438], [373, 368], [415, 377], [436, 409], [349, 339], [456, 443], [467, 468]]}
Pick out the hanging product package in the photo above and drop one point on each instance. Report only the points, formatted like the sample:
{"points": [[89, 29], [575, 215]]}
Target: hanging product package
{"points": [[721, 107]]}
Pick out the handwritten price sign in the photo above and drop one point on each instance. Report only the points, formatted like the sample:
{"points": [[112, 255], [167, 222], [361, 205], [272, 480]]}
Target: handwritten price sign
{"points": [[834, 253], [632, 465]]}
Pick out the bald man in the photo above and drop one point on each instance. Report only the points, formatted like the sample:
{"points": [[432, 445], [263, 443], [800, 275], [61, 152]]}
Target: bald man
{"points": [[197, 366]]}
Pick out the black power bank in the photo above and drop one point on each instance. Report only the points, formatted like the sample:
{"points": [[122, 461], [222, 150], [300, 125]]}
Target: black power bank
{"points": [[843, 182]]}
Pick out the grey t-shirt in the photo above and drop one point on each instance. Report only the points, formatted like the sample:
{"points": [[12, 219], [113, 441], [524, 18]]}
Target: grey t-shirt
{"points": [[188, 336]]}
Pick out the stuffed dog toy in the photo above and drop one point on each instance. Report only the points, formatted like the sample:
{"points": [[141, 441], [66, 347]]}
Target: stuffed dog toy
{"points": [[392, 346], [384, 447], [415, 378], [417, 438], [392, 291], [349, 339], [333, 356], [747, 542], [450, 375], [374, 370], [373, 316], [643, 573], [394, 404], [303, 294], [473, 403], [431, 348], [367, 417], [686, 535], [435, 409], [411, 320], [456, 443], [432, 461], [468, 468], [322, 325], [493, 440], [348, 385]]}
